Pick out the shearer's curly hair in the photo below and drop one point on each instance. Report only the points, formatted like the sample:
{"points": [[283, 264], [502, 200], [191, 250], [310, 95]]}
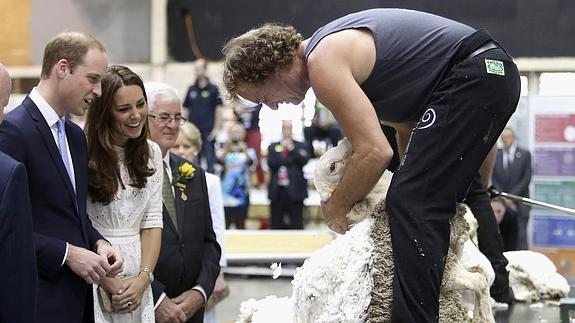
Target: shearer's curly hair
{"points": [[252, 57]]}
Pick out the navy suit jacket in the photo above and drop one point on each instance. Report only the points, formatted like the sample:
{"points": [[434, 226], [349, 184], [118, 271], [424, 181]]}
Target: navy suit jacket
{"points": [[190, 255], [515, 179], [18, 274], [294, 161], [58, 213]]}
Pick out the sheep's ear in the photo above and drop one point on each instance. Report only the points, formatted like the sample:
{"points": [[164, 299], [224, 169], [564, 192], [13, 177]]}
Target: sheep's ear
{"points": [[345, 146]]}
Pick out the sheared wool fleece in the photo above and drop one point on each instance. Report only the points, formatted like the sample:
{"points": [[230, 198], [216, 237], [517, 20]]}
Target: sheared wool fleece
{"points": [[534, 277]]}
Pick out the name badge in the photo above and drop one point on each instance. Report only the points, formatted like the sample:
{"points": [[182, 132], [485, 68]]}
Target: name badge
{"points": [[494, 67]]}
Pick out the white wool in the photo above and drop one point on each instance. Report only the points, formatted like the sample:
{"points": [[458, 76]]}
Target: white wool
{"points": [[335, 283], [270, 309], [534, 277], [472, 258], [473, 225]]}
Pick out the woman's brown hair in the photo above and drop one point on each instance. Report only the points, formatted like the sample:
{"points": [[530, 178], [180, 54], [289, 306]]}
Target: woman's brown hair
{"points": [[103, 163]]}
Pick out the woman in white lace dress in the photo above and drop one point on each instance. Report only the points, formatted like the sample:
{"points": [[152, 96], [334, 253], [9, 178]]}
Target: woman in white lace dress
{"points": [[124, 204]]}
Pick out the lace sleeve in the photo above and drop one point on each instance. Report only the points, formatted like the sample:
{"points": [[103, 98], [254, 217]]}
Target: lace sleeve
{"points": [[153, 213]]}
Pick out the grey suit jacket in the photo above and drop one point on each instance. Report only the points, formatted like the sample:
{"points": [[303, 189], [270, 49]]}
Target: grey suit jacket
{"points": [[516, 178]]}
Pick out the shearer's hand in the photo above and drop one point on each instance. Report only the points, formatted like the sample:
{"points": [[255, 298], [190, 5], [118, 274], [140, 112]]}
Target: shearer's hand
{"points": [[335, 216]]}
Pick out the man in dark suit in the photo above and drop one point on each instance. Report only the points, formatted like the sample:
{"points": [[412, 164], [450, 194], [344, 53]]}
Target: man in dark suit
{"points": [[18, 275], [512, 174], [288, 187], [188, 265], [70, 253]]}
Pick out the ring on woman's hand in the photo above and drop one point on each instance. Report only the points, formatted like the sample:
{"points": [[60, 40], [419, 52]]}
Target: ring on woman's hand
{"points": [[129, 304]]}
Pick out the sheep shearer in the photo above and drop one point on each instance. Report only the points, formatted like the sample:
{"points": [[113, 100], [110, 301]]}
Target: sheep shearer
{"points": [[398, 66]]}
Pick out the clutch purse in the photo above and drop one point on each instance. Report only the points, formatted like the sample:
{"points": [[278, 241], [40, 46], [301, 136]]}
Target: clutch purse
{"points": [[105, 299]]}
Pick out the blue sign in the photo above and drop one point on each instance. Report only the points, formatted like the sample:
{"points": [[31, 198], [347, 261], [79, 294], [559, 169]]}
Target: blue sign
{"points": [[551, 230]]}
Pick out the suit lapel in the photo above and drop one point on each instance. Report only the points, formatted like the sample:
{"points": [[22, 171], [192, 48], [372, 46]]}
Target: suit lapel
{"points": [[180, 208], [180, 204], [168, 220], [48, 139]]}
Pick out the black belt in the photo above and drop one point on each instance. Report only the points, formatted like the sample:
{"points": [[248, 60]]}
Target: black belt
{"points": [[487, 46]]}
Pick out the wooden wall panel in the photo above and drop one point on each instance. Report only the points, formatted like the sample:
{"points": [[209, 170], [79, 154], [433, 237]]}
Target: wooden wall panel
{"points": [[15, 32]]}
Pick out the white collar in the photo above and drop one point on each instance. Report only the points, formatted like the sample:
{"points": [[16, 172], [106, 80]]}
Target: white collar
{"points": [[167, 160], [47, 111], [512, 149]]}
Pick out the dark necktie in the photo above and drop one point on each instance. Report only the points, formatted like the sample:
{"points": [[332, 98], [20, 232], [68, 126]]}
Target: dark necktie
{"points": [[507, 159], [168, 198]]}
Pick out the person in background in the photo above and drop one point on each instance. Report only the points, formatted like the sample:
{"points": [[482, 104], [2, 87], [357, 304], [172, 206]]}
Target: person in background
{"points": [[204, 109], [19, 280], [125, 186], [512, 174], [507, 222], [236, 157], [249, 116], [188, 145], [323, 126], [189, 258], [70, 253], [288, 187]]}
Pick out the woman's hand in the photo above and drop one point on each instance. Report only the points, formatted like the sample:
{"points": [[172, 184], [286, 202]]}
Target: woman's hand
{"points": [[112, 285], [130, 295]]}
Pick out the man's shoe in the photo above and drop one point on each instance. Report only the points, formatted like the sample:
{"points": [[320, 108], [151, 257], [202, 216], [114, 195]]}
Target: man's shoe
{"points": [[506, 296]]}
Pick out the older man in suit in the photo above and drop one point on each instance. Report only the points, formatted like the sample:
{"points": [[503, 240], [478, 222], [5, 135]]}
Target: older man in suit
{"points": [[18, 274], [70, 253], [512, 174], [189, 258]]}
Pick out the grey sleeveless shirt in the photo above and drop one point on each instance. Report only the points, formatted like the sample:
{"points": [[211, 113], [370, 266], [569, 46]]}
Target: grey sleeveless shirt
{"points": [[413, 50]]}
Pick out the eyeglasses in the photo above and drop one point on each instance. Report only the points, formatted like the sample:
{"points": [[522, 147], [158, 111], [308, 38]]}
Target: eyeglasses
{"points": [[165, 119]]}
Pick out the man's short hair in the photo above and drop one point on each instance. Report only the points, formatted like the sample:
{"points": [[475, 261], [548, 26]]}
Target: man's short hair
{"points": [[71, 46], [154, 89]]}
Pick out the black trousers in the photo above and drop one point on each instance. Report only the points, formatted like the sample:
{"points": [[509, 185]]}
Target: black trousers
{"points": [[464, 117], [508, 229], [282, 206], [522, 225], [488, 236]]}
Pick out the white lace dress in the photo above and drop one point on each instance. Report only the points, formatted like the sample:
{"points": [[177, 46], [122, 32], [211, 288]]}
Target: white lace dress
{"points": [[120, 222]]}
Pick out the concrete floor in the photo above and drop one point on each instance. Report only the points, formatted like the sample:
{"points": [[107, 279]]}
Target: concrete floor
{"points": [[244, 288]]}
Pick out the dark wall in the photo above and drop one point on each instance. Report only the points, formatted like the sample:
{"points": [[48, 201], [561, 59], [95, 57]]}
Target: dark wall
{"points": [[527, 28]]}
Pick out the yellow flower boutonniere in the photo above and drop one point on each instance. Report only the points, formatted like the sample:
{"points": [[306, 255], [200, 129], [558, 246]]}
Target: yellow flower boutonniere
{"points": [[181, 175]]}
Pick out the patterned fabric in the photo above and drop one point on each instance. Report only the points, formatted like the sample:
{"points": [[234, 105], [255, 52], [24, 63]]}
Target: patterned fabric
{"points": [[168, 197], [120, 223]]}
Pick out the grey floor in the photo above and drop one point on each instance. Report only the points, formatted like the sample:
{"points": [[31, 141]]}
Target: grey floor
{"points": [[244, 288]]}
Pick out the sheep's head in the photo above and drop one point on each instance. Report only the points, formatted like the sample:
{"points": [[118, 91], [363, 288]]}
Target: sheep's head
{"points": [[330, 168]]}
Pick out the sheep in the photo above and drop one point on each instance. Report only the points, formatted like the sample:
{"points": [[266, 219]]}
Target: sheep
{"points": [[328, 173], [350, 280]]}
